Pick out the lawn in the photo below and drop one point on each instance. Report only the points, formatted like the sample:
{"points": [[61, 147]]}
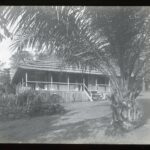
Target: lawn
{"points": [[83, 122]]}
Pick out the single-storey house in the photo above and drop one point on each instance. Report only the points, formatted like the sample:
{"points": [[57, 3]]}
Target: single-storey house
{"points": [[71, 82]]}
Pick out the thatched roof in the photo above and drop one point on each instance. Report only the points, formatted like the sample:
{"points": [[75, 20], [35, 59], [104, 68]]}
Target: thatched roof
{"points": [[52, 64], [56, 65]]}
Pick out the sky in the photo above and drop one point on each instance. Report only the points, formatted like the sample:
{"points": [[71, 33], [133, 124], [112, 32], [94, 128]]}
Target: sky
{"points": [[5, 52]]}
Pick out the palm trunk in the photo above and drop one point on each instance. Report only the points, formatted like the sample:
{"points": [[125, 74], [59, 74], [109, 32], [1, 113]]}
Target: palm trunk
{"points": [[126, 114]]}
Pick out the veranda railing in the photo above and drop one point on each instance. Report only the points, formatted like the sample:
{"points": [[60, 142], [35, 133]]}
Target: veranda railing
{"points": [[63, 86]]}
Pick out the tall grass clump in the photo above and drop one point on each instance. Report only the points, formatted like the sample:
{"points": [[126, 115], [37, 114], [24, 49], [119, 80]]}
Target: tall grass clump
{"points": [[29, 103]]}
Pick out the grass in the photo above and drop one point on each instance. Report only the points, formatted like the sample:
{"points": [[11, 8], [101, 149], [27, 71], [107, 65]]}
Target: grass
{"points": [[79, 121], [84, 122]]}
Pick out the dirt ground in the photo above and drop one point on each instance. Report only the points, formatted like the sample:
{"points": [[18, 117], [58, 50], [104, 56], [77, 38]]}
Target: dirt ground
{"points": [[84, 122], [82, 119]]}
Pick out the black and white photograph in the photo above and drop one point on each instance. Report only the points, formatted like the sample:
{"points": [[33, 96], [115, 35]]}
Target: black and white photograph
{"points": [[75, 74]]}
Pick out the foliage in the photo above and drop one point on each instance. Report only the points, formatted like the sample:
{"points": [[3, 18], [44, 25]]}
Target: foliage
{"points": [[29, 103], [87, 34], [114, 40], [20, 57], [6, 86], [7, 99], [7, 106], [3, 24], [40, 102]]}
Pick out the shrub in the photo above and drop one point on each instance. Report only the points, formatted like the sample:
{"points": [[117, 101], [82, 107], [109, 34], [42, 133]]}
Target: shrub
{"points": [[7, 105], [7, 99], [29, 103], [25, 97], [35, 105], [54, 103], [45, 103]]}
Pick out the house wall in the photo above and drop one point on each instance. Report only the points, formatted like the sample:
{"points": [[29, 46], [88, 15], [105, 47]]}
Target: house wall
{"points": [[66, 96], [71, 96]]}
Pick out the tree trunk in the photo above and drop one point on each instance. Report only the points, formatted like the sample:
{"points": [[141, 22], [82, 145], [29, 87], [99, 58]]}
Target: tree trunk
{"points": [[126, 113]]}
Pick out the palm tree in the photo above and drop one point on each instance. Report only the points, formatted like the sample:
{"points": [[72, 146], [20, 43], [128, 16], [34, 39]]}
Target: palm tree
{"points": [[3, 24], [20, 57], [112, 40]]}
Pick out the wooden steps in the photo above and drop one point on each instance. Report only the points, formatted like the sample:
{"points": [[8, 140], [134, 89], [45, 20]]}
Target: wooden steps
{"points": [[96, 96]]}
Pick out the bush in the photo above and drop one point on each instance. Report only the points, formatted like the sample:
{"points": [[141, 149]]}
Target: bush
{"points": [[25, 97], [29, 103], [7, 105], [35, 105], [44, 103], [7, 99]]}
